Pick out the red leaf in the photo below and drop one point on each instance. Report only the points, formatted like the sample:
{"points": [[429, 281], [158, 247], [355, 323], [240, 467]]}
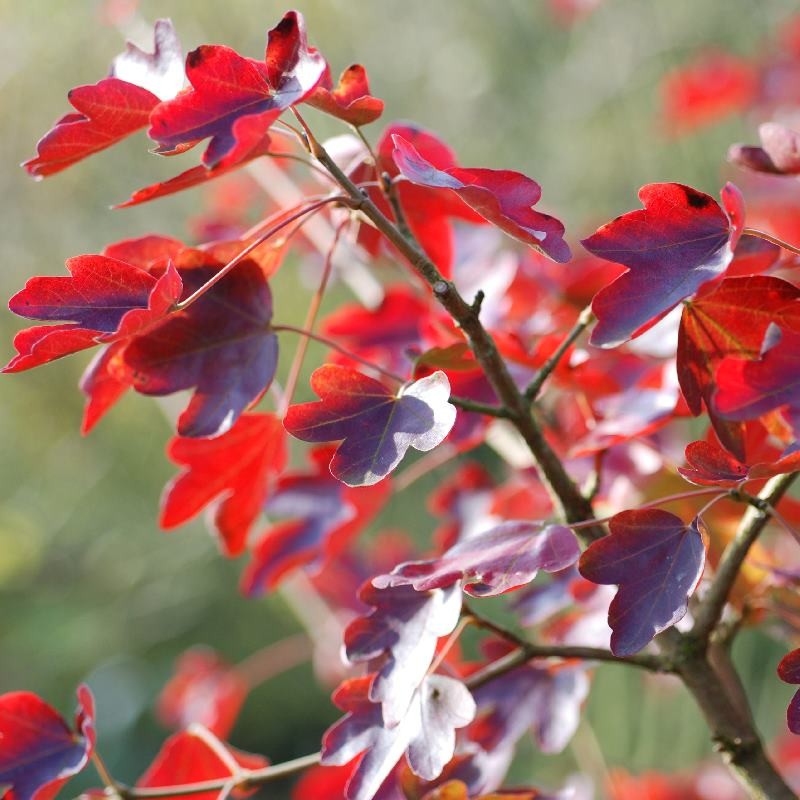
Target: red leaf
{"points": [[789, 672], [502, 197], [38, 751], [350, 100], [113, 108], [375, 425], [748, 389], [233, 99], [779, 153], [103, 300], [493, 562], [427, 732], [232, 471], [195, 756], [710, 465], [679, 241], [657, 561], [731, 321], [204, 690], [714, 85]]}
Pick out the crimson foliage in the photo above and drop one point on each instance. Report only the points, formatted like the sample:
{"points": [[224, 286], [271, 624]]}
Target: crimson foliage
{"points": [[475, 350]]}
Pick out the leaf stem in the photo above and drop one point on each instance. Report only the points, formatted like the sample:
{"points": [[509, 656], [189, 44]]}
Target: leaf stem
{"points": [[218, 276], [247, 779], [753, 521], [585, 319], [274, 659], [336, 346], [311, 319], [772, 239]]}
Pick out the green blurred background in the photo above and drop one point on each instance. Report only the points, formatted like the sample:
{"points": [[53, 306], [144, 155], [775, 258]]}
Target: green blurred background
{"points": [[89, 587]]}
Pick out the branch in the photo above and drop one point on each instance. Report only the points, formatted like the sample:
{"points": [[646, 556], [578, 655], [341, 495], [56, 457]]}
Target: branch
{"points": [[573, 506], [534, 387], [753, 522], [246, 779], [526, 651]]}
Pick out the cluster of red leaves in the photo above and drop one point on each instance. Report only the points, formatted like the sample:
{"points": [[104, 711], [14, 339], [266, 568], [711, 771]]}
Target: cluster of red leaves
{"points": [[403, 376]]}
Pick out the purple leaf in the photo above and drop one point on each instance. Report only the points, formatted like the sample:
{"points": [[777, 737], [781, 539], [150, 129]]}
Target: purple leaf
{"points": [[404, 626], [681, 239], [426, 733], [496, 561], [502, 197], [221, 345], [375, 425], [657, 562], [789, 672]]}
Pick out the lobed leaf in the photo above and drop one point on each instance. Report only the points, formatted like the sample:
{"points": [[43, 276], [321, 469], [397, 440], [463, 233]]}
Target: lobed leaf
{"points": [[402, 629], [375, 425], [679, 241], [426, 734], [496, 561], [230, 473], [657, 561], [39, 753], [234, 100], [502, 197]]}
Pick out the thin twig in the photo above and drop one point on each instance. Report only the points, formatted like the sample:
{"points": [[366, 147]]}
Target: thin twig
{"points": [[752, 523], [218, 276], [247, 779], [336, 346], [535, 386]]}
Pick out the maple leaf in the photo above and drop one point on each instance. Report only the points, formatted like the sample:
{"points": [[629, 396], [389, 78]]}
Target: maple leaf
{"points": [[499, 560], [196, 756], [779, 153], [789, 672], [404, 627], [426, 733], [205, 690], [113, 108], [679, 241], [222, 345], [233, 99], [657, 561], [40, 752], [350, 100], [747, 389], [710, 465], [377, 426], [324, 516], [730, 321], [231, 471], [502, 197], [103, 300]]}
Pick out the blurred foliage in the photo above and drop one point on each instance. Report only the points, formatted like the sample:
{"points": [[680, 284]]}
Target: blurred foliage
{"points": [[89, 588]]}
